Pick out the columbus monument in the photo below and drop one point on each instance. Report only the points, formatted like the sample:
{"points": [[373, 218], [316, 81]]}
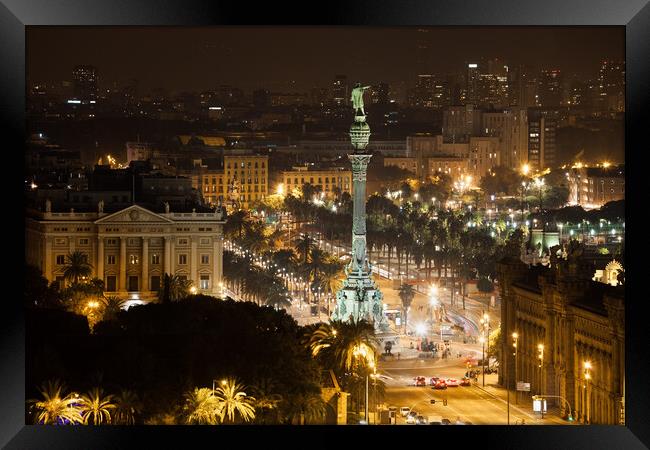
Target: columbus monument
{"points": [[359, 298]]}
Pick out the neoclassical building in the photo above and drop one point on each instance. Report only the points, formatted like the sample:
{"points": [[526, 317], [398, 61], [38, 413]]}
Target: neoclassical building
{"points": [[132, 248], [581, 325]]}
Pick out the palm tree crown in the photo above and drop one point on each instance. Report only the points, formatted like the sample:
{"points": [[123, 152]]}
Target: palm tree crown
{"points": [[55, 407], [76, 266]]}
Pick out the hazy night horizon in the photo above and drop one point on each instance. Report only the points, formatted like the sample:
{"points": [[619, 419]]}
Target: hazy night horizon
{"points": [[274, 57]]}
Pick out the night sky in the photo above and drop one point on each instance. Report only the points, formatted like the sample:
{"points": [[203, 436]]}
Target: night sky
{"points": [[196, 59]]}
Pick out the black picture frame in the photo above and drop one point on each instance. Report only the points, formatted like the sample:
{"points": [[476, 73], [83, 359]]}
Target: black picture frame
{"points": [[633, 15]]}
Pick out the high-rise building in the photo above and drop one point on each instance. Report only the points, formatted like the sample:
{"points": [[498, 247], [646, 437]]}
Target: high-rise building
{"points": [[550, 88], [340, 90], [471, 92], [460, 122], [85, 82], [612, 85], [511, 127], [542, 126]]}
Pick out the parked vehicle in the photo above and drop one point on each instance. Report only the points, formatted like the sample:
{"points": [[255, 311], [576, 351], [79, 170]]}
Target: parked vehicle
{"points": [[440, 384], [411, 417], [433, 381], [446, 422], [420, 381], [452, 382], [404, 410], [465, 382], [420, 420]]}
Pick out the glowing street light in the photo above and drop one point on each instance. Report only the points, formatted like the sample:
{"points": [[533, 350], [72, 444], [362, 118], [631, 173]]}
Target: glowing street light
{"points": [[280, 189]]}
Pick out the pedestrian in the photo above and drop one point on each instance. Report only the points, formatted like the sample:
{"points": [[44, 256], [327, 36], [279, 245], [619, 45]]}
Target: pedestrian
{"points": [[398, 355]]}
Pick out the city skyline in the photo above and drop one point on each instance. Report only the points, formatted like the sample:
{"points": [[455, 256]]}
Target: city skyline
{"points": [[273, 57]]}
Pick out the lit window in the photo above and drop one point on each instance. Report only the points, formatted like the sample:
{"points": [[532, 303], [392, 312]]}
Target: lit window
{"points": [[133, 259], [155, 259], [204, 282]]}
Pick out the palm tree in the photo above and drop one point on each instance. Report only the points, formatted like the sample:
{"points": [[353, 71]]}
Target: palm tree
{"points": [[96, 408], [201, 407], [233, 400], [267, 399], [308, 407], [277, 296], [305, 244], [112, 306], [76, 266], [174, 288], [340, 344], [406, 294], [55, 407], [127, 406]]}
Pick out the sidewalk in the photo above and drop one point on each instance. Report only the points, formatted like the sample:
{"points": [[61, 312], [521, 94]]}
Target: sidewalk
{"points": [[521, 409]]}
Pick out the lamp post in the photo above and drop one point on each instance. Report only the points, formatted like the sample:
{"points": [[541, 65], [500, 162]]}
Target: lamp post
{"points": [[587, 373], [540, 355], [515, 338], [539, 183], [482, 341]]}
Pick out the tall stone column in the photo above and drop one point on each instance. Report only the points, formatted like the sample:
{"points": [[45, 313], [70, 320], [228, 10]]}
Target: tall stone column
{"points": [[359, 298], [100, 257], [217, 263], [123, 263], [144, 286], [194, 264], [93, 245], [47, 266], [167, 257]]}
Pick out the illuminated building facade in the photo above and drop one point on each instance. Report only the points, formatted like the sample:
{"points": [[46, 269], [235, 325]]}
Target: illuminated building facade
{"points": [[131, 248], [329, 180], [580, 326]]}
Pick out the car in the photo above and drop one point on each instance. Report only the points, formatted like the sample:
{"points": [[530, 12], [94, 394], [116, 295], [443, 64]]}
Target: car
{"points": [[420, 420], [446, 422], [420, 381], [440, 384], [412, 417], [404, 410], [433, 381], [465, 381], [452, 382]]}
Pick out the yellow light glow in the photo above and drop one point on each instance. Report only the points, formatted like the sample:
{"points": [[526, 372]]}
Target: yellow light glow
{"points": [[587, 365], [525, 169], [280, 189], [515, 335]]}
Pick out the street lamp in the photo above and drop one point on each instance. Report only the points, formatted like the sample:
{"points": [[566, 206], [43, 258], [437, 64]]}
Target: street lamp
{"points": [[515, 338], [482, 341], [540, 355]]}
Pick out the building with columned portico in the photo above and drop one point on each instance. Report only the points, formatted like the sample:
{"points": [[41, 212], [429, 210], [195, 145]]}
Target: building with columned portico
{"points": [[130, 249]]}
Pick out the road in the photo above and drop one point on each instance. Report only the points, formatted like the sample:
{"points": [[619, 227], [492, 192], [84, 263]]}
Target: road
{"points": [[468, 403]]}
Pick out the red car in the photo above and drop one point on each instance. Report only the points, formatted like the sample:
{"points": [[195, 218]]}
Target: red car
{"points": [[440, 384], [452, 382], [420, 381], [433, 381], [465, 382]]}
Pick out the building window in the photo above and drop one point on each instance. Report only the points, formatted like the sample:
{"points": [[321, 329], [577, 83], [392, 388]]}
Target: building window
{"points": [[60, 259], [205, 241], [155, 259], [83, 241], [110, 259], [204, 282], [155, 283], [205, 259], [182, 242], [133, 259], [111, 241], [111, 285], [182, 259]]}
